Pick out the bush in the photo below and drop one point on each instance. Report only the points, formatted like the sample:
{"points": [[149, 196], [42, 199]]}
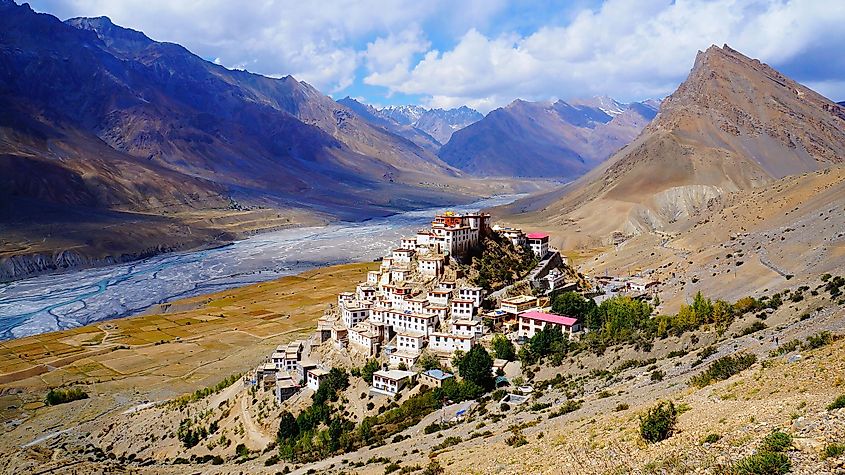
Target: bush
{"points": [[712, 439], [833, 451], [516, 440], [503, 348], [622, 407], [447, 442], [776, 442], [504, 407], [659, 422], [432, 428], [392, 468], [62, 396], [818, 340], [657, 375], [433, 468], [722, 369], [837, 403], [753, 328], [763, 463], [566, 408], [272, 460]]}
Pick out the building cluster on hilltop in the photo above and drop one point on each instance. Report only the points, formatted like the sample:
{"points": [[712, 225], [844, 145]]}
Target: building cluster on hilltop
{"points": [[418, 299]]}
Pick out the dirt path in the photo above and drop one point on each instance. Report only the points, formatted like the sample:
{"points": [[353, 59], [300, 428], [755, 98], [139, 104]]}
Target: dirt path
{"points": [[253, 432]]}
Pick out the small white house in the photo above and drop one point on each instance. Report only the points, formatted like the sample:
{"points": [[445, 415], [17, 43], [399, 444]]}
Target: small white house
{"points": [[431, 266], [410, 342], [533, 321], [403, 357], [467, 328], [462, 309], [316, 376], [449, 343], [471, 293], [354, 312], [390, 382], [440, 297], [539, 243], [402, 256]]}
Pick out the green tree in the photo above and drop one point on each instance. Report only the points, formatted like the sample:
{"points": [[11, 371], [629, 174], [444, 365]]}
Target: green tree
{"points": [[476, 367], [288, 429], [428, 361], [503, 348], [573, 304], [368, 369]]}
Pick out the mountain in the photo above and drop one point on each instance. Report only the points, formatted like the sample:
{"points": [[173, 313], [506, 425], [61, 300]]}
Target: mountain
{"points": [[841, 103], [439, 123], [407, 130], [416, 122], [137, 138], [734, 124], [546, 139]]}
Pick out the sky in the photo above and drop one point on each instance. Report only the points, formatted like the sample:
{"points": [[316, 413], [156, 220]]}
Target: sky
{"points": [[486, 53]]}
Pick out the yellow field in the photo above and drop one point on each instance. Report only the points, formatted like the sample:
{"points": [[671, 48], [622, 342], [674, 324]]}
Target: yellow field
{"points": [[187, 345]]}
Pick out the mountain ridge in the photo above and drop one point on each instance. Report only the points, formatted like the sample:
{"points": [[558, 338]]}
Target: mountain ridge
{"points": [[734, 124], [554, 139]]}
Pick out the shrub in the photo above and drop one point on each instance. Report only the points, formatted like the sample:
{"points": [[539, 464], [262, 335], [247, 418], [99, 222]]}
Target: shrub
{"points": [[505, 407], [432, 428], [447, 442], [763, 463], [433, 468], [272, 460], [657, 375], [722, 369], [392, 468], [753, 328], [659, 422], [516, 440], [503, 348], [833, 451], [712, 438], [622, 407], [818, 340], [837, 403], [777, 441], [566, 408], [62, 396]]}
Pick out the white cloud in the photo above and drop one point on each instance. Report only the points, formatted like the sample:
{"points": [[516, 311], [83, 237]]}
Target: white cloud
{"points": [[629, 50], [452, 54]]}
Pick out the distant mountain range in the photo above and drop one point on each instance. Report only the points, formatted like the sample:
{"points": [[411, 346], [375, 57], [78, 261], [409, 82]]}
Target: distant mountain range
{"points": [[547, 139], [436, 126], [102, 123], [711, 137]]}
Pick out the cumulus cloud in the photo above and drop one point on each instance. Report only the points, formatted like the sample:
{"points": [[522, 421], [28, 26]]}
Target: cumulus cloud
{"points": [[629, 50], [485, 53]]}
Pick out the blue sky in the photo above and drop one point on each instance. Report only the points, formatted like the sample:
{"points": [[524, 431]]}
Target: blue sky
{"points": [[486, 53]]}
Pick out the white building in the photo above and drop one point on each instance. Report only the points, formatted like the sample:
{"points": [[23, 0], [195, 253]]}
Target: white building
{"points": [[403, 357], [515, 236], [391, 382], [399, 273], [354, 312], [467, 328], [408, 243], [416, 304], [365, 292], [471, 293], [365, 337], [518, 304], [539, 243], [431, 266], [462, 309], [440, 297], [410, 342], [316, 376], [533, 321], [402, 256], [449, 343], [410, 322]]}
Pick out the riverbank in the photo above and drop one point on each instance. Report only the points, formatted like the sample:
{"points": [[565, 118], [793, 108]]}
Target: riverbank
{"points": [[68, 300], [125, 362]]}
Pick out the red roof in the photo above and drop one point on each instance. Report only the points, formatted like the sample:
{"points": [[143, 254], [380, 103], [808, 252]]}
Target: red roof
{"points": [[536, 235], [548, 317]]}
